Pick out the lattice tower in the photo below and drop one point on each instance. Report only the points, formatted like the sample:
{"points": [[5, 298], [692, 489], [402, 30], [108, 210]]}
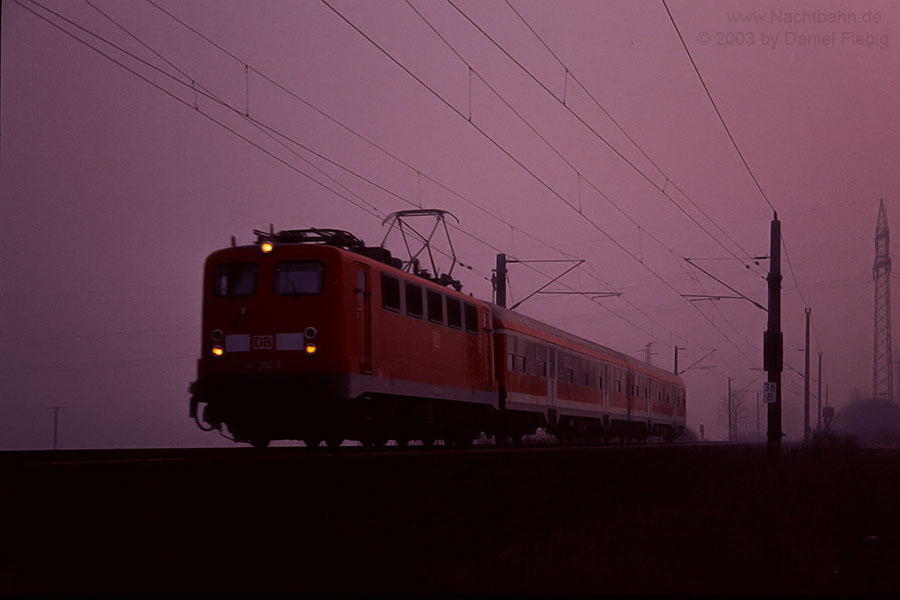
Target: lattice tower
{"points": [[882, 378]]}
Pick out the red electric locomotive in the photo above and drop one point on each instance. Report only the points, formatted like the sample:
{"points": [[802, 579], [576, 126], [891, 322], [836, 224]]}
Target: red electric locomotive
{"points": [[311, 335]]}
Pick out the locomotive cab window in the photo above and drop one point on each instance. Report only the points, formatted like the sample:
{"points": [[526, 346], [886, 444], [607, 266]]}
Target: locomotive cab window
{"points": [[414, 306], [435, 306], [390, 292], [235, 279], [299, 278]]}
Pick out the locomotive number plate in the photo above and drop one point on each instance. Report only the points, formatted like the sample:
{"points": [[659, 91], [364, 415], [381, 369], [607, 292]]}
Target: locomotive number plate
{"points": [[263, 365]]}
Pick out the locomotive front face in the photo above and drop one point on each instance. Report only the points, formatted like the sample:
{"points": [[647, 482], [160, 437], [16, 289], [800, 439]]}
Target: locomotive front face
{"points": [[268, 312], [273, 335]]}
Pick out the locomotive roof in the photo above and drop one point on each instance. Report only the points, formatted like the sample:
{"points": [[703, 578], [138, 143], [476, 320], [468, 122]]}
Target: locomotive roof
{"points": [[508, 319]]}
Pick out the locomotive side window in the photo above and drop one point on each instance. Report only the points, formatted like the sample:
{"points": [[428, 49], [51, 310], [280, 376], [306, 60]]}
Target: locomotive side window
{"points": [[299, 278], [390, 292], [520, 355], [413, 300], [510, 353], [454, 313], [235, 279], [471, 318], [435, 306]]}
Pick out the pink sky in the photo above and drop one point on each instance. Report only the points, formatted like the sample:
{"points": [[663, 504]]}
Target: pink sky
{"points": [[113, 192]]}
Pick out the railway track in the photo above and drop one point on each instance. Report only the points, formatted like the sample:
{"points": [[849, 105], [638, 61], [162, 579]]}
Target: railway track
{"points": [[302, 453], [654, 518]]}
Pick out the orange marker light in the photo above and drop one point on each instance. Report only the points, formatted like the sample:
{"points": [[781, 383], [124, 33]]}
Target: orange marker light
{"points": [[310, 349], [217, 351], [266, 247]]}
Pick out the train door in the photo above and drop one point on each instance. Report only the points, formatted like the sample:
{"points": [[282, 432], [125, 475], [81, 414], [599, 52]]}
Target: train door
{"points": [[364, 316]]}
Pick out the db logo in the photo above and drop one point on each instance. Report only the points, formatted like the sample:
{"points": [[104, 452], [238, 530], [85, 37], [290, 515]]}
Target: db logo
{"points": [[262, 342]]}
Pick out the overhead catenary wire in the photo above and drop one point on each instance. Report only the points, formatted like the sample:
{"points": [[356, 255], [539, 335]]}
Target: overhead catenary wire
{"points": [[172, 95], [519, 163], [336, 121], [208, 116], [630, 163], [738, 150], [736, 147]]}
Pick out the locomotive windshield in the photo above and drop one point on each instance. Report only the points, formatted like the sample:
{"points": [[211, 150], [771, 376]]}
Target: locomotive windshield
{"points": [[299, 278], [235, 279]]}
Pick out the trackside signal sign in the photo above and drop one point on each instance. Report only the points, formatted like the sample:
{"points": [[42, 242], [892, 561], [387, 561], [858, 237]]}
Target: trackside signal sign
{"points": [[770, 389]]}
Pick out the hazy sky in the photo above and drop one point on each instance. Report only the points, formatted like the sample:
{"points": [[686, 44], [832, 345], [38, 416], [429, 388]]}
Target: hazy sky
{"points": [[115, 188]]}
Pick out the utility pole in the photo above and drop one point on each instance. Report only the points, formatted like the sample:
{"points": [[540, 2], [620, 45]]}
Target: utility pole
{"points": [[55, 410], [819, 397], [773, 340], [730, 425], [648, 353], [757, 416], [676, 357], [806, 384], [501, 280]]}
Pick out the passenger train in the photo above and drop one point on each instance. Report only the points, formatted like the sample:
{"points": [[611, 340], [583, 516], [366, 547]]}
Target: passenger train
{"points": [[310, 335]]}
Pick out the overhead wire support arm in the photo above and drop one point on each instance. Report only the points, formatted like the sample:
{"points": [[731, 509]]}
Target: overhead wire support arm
{"points": [[591, 294], [692, 365], [740, 295], [537, 291], [699, 297]]}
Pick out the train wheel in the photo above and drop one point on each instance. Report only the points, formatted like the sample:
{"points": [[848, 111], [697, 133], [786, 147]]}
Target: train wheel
{"points": [[428, 440], [260, 443], [312, 442], [334, 442]]}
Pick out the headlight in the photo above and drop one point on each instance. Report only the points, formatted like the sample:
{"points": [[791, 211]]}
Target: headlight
{"points": [[310, 349], [217, 351], [266, 247]]}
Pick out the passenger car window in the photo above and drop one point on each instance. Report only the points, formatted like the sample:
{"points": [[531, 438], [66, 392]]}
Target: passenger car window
{"points": [[235, 279], [299, 278]]}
